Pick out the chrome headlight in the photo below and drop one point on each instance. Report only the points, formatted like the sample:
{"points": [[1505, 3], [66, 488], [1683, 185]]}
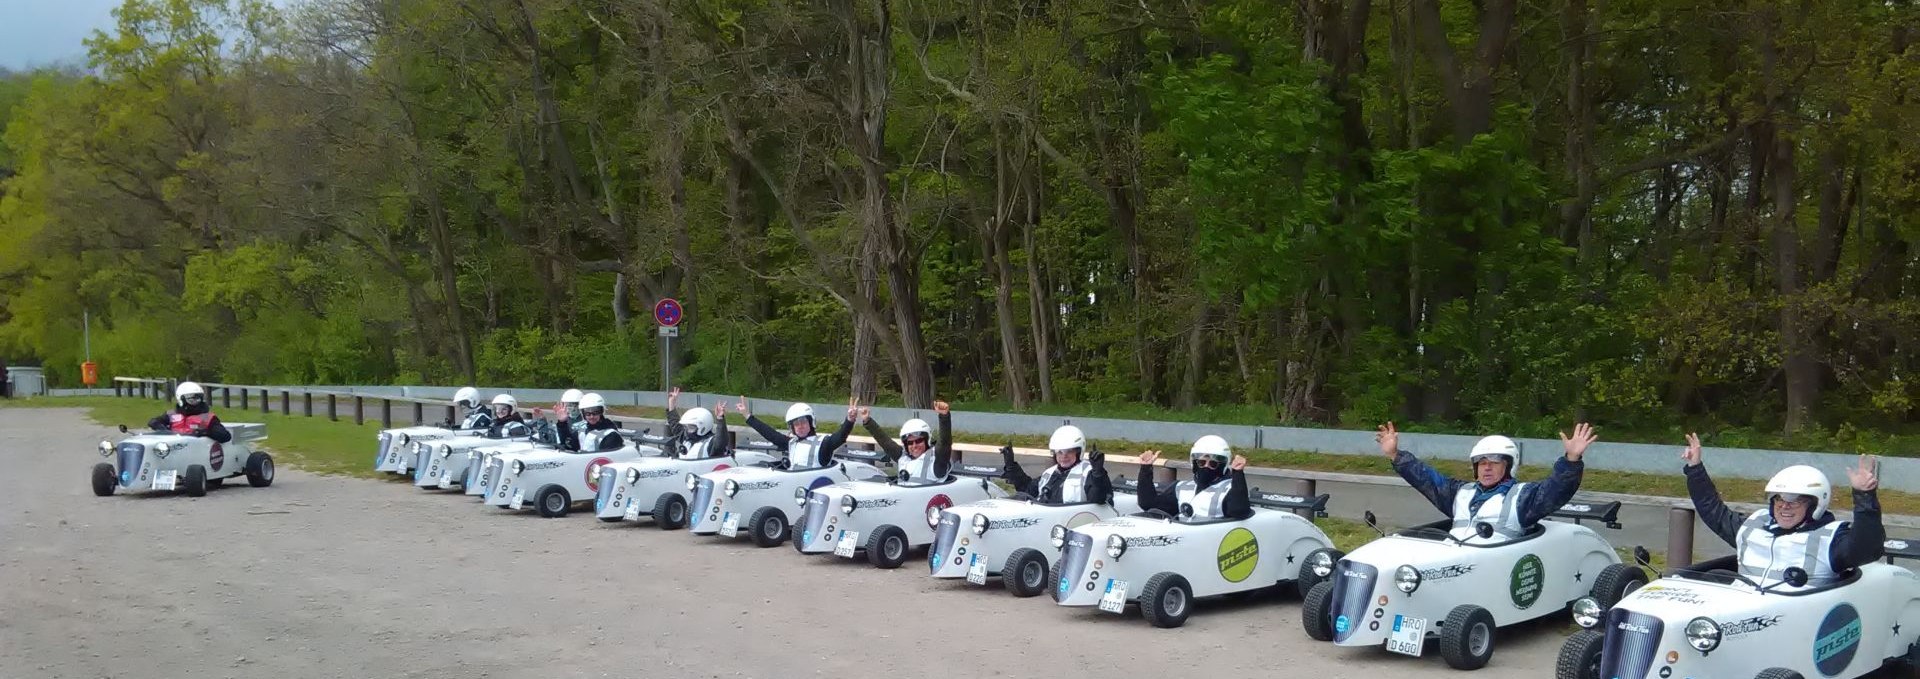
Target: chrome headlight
{"points": [[732, 488], [1321, 563], [162, 449], [933, 517], [1703, 634], [1116, 546], [847, 503], [1407, 578], [518, 467], [979, 524], [800, 496], [446, 451], [405, 439], [693, 483], [106, 448], [1586, 612], [633, 474]]}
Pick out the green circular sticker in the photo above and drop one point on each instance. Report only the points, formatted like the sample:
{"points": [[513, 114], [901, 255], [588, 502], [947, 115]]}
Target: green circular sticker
{"points": [[1239, 551], [1527, 576]]}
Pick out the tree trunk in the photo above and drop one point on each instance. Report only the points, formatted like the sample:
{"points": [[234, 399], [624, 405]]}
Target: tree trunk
{"points": [[1189, 395]]}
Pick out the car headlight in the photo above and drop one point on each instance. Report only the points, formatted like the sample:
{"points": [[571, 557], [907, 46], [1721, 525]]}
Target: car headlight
{"points": [[446, 451], [1321, 563], [518, 467], [933, 517], [692, 482], [405, 439], [847, 503], [979, 524], [633, 474], [732, 488], [1116, 546], [106, 448], [162, 449], [1407, 578], [1586, 612], [800, 496], [1703, 634], [1058, 536]]}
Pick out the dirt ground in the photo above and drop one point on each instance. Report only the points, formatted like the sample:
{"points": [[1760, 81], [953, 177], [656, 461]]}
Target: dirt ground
{"points": [[337, 577]]}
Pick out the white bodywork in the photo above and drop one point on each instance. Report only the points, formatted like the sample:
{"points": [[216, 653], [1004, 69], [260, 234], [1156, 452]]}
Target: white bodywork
{"points": [[517, 477], [638, 485], [959, 548], [827, 526], [447, 461], [1211, 555], [159, 460], [1515, 581], [398, 455], [1844, 631], [734, 495]]}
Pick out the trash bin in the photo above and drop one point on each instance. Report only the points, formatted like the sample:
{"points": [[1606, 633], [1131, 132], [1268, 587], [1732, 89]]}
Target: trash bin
{"points": [[24, 381]]}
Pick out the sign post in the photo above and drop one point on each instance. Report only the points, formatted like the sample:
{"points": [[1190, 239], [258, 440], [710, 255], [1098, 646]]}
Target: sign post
{"points": [[668, 314]]}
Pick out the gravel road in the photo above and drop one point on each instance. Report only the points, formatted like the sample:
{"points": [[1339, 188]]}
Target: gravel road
{"points": [[336, 577]]}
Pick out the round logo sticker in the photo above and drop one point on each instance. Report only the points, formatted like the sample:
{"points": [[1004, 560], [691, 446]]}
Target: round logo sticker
{"points": [[941, 501], [1239, 551], [1837, 640], [1525, 584], [593, 472]]}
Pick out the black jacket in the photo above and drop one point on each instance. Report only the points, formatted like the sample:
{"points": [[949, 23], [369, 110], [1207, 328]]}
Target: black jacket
{"points": [[1099, 487], [822, 457], [722, 446], [511, 426], [942, 447], [570, 439], [1236, 505], [1859, 542]]}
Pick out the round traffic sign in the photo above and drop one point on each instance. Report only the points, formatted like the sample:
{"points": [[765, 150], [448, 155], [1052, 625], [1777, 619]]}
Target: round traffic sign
{"points": [[667, 312]]}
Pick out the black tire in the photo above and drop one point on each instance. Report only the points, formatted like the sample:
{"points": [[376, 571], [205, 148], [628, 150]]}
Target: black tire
{"points": [[1166, 600], [1304, 582], [670, 511], [1053, 581], [887, 547], [769, 526], [1778, 673], [1616, 582], [552, 501], [1580, 656], [1026, 571], [196, 481], [1466, 639], [259, 470], [104, 479], [1315, 609]]}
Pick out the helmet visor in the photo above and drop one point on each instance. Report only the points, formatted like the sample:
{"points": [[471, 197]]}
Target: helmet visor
{"points": [[193, 399], [1791, 498], [596, 412]]}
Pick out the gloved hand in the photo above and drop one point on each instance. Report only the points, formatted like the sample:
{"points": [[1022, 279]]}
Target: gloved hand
{"points": [[1097, 458], [1006, 455]]}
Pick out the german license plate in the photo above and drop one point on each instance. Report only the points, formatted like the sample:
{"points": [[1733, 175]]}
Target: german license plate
{"points": [[633, 509], [1409, 635], [846, 545], [977, 570], [731, 526], [1114, 600], [166, 480], [519, 498]]}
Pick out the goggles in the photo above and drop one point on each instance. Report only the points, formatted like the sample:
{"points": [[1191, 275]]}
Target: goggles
{"points": [[193, 399]]}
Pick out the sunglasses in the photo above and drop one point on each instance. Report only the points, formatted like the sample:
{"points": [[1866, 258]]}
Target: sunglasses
{"points": [[916, 438], [596, 412], [1067, 451], [1208, 462]]}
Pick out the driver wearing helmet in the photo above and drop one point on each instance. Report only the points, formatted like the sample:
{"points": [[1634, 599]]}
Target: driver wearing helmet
{"points": [[593, 417], [191, 416], [1493, 496], [1075, 477], [507, 422], [698, 434], [805, 447], [1218, 489], [917, 454], [1797, 530], [468, 399]]}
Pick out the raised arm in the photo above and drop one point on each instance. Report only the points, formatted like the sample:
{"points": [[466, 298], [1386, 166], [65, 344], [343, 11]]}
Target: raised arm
{"points": [[1713, 512]]}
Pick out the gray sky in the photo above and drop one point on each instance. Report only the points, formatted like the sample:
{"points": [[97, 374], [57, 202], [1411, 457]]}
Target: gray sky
{"points": [[41, 32]]}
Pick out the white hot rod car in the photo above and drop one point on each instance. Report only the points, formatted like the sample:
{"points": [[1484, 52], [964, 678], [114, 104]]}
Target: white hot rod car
{"points": [[1706, 620], [1423, 583], [1013, 538], [768, 500], [165, 461], [660, 486], [1164, 563], [555, 479], [886, 519]]}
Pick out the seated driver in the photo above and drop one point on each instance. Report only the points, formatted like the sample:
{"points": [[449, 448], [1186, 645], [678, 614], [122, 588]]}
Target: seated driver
{"points": [[802, 442], [1218, 489], [1796, 530], [191, 416], [507, 422], [696, 434], [1493, 497], [468, 400], [911, 453], [1075, 476], [593, 416]]}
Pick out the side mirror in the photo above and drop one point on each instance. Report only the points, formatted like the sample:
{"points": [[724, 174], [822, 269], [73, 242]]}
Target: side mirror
{"points": [[1643, 557], [123, 429], [1797, 576], [1372, 522], [1483, 529]]}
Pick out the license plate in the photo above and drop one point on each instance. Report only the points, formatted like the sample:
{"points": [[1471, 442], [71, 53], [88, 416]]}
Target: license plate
{"points": [[1114, 600], [167, 480], [845, 548], [731, 526], [519, 497], [1409, 635], [977, 570], [633, 509]]}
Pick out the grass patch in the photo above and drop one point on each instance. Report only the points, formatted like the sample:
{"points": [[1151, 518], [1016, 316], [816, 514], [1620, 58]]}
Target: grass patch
{"points": [[313, 444]]}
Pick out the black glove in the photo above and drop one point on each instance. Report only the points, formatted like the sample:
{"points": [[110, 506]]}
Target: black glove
{"points": [[1097, 458], [1006, 454]]}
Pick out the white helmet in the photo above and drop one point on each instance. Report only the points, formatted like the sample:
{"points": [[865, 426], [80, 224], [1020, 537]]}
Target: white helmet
{"points": [[799, 410], [916, 426], [180, 393], [1210, 446], [506, 400], [592, 401], [1497, 446], [1067, 437], [700, 420], [468, 397], [571, 396], [1801, 479]]}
